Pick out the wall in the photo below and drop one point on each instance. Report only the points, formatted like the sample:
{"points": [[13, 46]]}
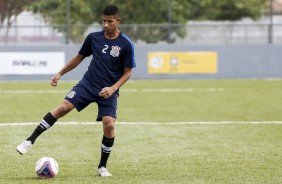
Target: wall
{"points": [[234, 61]]}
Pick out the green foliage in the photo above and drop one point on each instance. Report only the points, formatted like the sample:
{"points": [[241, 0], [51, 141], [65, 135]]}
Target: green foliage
{"points": [[168, 14], [225, 9], [54, 12], [9, 10]]}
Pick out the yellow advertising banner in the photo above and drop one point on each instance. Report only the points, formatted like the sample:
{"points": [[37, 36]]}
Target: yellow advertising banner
{"points": [[182, 62]]}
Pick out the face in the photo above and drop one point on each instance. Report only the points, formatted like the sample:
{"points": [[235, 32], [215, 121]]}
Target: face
{"points": [[110, 23]]}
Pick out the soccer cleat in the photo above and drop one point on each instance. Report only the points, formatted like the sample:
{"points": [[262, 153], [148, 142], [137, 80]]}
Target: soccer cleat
{"points": [[24, 147], [103, 172]]}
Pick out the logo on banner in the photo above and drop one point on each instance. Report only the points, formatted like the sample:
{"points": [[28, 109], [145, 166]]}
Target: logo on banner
{"points": [[174, 61], [203, 62], [30, 63], [156, 62]]}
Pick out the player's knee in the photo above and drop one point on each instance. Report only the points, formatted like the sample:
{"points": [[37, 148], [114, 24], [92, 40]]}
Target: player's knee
{"points": [[61, 110], [109, 127]]}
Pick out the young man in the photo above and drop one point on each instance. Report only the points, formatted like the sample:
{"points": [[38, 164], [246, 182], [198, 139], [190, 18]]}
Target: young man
{"points": [[111, 66]]}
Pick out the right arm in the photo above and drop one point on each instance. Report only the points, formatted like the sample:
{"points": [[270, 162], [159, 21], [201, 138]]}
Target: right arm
{"points": [[76, 60]]}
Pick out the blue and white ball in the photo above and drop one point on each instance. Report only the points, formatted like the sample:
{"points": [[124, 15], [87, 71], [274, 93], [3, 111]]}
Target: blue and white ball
{"points": [[46, 167]]}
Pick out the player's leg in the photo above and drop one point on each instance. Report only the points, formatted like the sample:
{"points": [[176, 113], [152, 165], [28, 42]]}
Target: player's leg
{"points": [[50, 118], [48, 121], [107, 113], [77, 98], [107, 144]]}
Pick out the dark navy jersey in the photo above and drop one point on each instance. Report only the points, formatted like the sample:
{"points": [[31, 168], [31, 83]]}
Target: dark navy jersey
{"points": [[110, 57]]}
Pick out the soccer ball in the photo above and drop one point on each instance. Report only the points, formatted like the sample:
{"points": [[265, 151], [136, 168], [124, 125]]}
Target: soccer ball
{"points": [[46, 167]]}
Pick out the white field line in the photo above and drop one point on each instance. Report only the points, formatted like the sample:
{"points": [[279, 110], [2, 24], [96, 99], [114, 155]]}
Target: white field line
{"points": [[163, 90], [32, 91], [147, 123]]}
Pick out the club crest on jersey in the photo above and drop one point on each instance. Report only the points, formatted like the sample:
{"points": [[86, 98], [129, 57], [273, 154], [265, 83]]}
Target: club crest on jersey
{"points": [[115, 51], [71, 94]]}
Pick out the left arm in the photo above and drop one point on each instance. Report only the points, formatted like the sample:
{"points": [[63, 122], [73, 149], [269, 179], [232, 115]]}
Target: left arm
{"points": [[108, 91]]}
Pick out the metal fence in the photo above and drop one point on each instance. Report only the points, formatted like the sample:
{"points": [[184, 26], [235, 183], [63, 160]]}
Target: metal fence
{"points": [[193, 33]]}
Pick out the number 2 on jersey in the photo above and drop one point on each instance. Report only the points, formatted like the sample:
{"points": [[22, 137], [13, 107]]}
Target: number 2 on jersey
{"points": [[104, 49]]}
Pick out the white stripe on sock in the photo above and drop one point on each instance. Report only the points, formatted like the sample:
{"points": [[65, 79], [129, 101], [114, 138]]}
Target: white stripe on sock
{"points": [[106, 149], [45, 124]]}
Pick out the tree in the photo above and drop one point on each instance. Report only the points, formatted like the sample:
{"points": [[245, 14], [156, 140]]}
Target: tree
{"points": [[225, 9], [55, 13], [85, 12], [9, 10], [168, 16]]}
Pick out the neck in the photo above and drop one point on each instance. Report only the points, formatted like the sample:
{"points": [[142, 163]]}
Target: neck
{"points": [[112, 35]]}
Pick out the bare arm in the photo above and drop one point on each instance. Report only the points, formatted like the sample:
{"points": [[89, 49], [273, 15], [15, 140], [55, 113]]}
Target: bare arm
{"points": [[108, 91], [76, 60]]}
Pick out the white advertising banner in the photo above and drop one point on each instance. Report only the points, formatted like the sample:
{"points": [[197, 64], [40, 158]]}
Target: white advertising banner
{"points": [[29, 63]]}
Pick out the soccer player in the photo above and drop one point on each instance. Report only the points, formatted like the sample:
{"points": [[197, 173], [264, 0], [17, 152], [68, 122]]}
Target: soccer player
{"points": [[110, 67]]}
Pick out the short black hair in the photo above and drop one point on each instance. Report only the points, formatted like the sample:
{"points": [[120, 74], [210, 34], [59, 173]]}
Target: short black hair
{"points": [[111, 10]]}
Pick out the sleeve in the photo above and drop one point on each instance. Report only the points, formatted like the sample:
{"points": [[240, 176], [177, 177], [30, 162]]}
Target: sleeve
{"points": [[129, 58], [86, 47]]}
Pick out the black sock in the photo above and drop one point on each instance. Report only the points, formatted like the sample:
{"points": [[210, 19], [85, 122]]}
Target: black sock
{"points": [[106, 149], [45, 123]]}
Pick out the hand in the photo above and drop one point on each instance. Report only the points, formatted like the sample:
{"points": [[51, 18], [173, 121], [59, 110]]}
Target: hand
{"points": [[107, 92], [54, 80]]}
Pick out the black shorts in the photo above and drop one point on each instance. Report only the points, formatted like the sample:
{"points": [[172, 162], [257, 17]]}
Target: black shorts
{"points": [[80, 97]]}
